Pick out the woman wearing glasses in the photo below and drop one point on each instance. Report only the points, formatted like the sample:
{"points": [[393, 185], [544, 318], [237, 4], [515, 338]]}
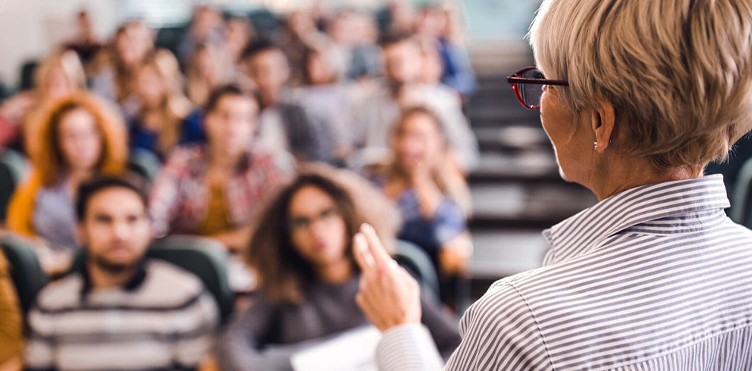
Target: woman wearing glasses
{"points": [[637, 98], [301, 253]]}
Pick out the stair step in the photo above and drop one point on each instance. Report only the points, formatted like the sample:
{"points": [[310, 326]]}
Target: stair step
{"points": [[506, 252], [512, 137], [527, 204], [529, 166]]}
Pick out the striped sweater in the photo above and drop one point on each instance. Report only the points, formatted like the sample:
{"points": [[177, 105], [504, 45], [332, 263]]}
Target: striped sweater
{"points": [[654, 278], [163, 319]]}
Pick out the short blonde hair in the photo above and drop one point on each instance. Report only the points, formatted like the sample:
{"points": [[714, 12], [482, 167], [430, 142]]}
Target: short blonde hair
{"points": [[677, 72]]}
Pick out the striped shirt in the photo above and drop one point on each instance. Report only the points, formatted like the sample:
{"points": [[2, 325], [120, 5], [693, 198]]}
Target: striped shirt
{"points": [[654, 278], [163, 319]]}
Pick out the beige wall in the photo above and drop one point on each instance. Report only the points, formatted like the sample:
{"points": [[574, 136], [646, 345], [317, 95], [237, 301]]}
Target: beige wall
{"points": [[31, 28]]}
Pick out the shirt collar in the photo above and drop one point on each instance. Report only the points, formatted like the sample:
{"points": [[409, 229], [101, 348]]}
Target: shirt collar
{"points": [[582, 232], [138, 278], [199, 166]]}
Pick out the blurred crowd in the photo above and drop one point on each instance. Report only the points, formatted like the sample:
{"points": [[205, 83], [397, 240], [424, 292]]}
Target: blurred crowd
{"points": [[276, 144]]}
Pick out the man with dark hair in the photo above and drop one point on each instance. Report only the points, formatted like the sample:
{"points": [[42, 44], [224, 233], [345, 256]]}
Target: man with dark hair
{"points": [[212, 189], [121, 310], [284, 123], [378, 112]]}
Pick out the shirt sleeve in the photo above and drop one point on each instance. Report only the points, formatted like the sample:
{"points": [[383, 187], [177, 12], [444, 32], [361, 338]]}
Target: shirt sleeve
{"points": [[164, 197], [499, 333], [408, 348], [239, 346], [448, 222]]}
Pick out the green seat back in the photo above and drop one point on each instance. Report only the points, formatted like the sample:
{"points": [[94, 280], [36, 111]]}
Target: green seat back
{"points": [[418, 264], [25, 271]]}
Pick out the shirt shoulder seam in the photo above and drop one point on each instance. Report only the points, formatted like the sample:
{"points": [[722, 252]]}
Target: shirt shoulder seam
{"points": [[537, 324]]}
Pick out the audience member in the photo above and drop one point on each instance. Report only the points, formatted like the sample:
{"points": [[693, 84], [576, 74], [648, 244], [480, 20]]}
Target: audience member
{"points": [[85, 44], [284, 123], [367, 60], [206, 27], [121, 310], [115, 68], [209, 67], [378, 112], [72, 139], [438, 22], [325, 96], [59, 74], [340, 41], [238, 34], [212, 189], [431, 65], [11, 331], [301, 252], [433, 198], [398, 16], [299, 33], [158, 125]]}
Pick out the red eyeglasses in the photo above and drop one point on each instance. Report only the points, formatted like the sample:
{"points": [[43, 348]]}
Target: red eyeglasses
{"points": [[528, 86]]}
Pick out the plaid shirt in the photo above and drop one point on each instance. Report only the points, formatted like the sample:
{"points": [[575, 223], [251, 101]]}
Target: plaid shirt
{"points": [[180, 197]]}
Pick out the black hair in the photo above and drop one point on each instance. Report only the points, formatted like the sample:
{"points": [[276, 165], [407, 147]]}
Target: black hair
{"points": [[223, 91], [257, 47], [90, 188], [396, 37]]}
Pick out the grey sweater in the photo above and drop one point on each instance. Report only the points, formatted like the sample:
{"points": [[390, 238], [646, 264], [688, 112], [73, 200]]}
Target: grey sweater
{"points": [[266, 335]]}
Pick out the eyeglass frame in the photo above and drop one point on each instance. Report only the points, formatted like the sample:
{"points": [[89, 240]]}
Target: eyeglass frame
{"points": [[515, 79], [304, 223]]}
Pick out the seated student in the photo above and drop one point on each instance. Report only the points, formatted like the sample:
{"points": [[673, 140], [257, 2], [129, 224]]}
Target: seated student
{"points": [[60, 74], [73, 139], [11, 336], [158, 125], [377, 112], [122, 311], [114, 67], [284, 123], [433, 198], [212, 189], [205, 28], [208, 68], [301, 252], [323, 94], [85, 43], [440, 22]]}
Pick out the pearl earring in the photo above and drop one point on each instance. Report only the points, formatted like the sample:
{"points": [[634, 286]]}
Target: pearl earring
{"points": [[595, 146]]}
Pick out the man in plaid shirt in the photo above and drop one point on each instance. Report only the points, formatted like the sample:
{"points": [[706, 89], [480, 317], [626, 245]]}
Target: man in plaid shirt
{"points": [[212, 189]]}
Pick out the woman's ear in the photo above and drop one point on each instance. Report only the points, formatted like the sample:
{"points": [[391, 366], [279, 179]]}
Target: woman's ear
{"points": [[603, 123]]}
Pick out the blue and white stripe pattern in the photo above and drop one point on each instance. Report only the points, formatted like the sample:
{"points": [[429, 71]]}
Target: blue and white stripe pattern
{"points": [[654, 278]]}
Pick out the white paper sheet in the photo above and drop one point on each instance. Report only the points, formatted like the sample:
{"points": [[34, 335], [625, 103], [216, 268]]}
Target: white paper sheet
{"points": [[354, 350]]}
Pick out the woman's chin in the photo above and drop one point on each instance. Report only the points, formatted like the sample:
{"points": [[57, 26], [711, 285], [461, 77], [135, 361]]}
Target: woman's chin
{"points": [[566, 176]]}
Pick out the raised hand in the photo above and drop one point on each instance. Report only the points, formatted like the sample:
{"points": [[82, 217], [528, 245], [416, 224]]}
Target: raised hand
{"points": [[388, 295]]}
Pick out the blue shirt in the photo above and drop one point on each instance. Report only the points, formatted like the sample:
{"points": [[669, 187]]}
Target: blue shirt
{"points": [[191, 131], [429, 233]]}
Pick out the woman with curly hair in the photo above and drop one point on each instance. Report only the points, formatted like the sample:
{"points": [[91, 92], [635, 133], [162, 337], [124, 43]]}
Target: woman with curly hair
{"points": [[72, 139], [308, 277]]}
